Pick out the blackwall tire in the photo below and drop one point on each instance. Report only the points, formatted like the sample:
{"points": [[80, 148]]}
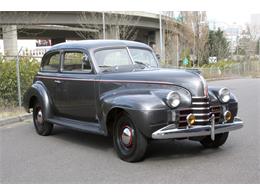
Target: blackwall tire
{"points": [[220, 139], [42, 127], [129, 143]]}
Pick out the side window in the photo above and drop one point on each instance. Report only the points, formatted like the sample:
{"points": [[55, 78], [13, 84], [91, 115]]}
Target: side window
{"points": [[75, 61], [51, 62]]}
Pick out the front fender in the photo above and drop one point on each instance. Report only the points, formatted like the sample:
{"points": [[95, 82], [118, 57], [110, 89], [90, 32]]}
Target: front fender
{"points": [[148, 112], [231, 105], [147, 108], [38, 91]]}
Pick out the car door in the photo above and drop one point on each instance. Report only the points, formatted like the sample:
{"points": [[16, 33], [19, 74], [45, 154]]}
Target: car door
{"points": [[49, 72], [77, 94]]}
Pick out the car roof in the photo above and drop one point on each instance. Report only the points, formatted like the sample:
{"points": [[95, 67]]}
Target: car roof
{"points": [[95, 44]]}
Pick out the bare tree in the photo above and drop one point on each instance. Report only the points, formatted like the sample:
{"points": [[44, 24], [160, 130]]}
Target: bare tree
{"points": [[247, 45], [127, 24], [121, 24], [90, 20], [195, 21], [170, 33]]}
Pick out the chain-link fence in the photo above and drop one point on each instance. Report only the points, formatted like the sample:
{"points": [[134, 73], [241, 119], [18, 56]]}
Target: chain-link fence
{"points": [[16, 76], [17, 73], [236, 70]]}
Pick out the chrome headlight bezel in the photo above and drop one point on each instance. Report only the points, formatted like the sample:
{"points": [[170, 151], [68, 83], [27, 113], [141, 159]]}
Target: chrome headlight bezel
{"points": [[224, 95], [173, 99]]}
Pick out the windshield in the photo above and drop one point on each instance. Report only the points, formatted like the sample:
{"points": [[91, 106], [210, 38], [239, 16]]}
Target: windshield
{"points": [[143, 56], [119, 59]]}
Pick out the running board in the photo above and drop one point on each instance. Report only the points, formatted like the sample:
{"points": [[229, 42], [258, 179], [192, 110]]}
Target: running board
{"points": [[88, 127]]}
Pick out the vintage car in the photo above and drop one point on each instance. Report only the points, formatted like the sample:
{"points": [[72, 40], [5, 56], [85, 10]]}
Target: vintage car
{"points": [[116, 88]]}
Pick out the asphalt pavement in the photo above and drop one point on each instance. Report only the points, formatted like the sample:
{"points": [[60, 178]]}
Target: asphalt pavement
{"points": [[74, 157]]}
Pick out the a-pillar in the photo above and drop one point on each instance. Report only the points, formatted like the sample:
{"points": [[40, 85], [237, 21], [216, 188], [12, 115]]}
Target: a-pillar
{"points": [[10, 40]]}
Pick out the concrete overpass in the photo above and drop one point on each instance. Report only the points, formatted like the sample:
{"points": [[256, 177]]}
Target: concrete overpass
{"points": [[60, 26]]}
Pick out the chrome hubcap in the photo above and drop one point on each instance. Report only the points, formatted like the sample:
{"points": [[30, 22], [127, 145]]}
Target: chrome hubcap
{"points": [[39, 117], [127, 136]]}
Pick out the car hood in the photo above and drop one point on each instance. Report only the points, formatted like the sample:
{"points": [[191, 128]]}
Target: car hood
{"points": [[187, 79]]}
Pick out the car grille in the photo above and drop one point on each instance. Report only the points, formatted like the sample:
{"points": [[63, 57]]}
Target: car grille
{"points": [[202, 110]]}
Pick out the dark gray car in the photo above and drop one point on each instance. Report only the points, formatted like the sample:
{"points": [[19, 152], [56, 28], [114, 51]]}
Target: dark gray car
{"points": [[113, 87]]}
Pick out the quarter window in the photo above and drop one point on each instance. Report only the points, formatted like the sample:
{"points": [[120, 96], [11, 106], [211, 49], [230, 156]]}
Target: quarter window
{"points": [[76, 62], [51, 62]]}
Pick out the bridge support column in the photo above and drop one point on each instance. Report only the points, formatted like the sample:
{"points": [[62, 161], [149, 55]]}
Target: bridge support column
{"points": [[55, 41], [10, 40], [113, 32]]}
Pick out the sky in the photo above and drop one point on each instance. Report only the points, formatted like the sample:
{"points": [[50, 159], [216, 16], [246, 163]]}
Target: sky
{"points": [[238, 17]]}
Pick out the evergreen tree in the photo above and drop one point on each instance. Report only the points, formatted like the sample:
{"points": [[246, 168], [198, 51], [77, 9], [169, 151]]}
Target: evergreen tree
{"points": [[218, 44]]}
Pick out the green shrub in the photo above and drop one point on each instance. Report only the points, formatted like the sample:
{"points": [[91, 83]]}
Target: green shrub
{"points": [[8, 79]]}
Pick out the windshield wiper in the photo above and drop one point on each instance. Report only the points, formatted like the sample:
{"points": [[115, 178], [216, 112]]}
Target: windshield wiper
{"points": [[108, 68], [142, 63], [104, 66]]}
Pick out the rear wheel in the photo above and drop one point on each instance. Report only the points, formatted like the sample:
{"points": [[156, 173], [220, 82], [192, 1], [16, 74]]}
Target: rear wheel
{"points": [[42, 127], [220, 139], [129, 142]]}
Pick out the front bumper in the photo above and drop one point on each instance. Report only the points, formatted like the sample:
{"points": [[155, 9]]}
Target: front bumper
{"points": [[170, 132]]}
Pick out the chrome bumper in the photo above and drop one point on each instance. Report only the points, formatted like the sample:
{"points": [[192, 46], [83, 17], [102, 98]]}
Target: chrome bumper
{"points": [[170, 132]]}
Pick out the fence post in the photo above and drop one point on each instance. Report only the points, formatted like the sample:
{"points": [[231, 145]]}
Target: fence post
{"points": [[18, 79]]}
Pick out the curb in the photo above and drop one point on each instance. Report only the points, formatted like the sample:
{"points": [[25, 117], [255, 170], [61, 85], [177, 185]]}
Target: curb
{"points": [[229, 78], [15, 119], [224, 78]]}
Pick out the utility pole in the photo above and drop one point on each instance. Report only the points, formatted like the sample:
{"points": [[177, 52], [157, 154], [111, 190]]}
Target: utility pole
{"points": [[194, 44], [104, 25], [177, 48], [161, 36], [18, 79]]}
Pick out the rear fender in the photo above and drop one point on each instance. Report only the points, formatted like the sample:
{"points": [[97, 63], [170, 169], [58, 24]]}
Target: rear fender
{"points": [[38, 91]]}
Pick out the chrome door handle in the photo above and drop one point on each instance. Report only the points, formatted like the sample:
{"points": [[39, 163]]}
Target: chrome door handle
{"points": [[57, 81]]}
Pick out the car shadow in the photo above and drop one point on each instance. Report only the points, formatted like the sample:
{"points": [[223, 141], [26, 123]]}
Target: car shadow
{"points": [[156, 151], [82, 138], [177, 149]]}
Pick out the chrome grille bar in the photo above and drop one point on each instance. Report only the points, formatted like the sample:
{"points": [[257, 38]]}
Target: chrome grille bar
{"points": [[200, 103], [202, 110]]}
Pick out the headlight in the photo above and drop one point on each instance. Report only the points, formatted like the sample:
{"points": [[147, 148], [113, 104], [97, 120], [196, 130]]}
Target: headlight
{"points": [[224, 95], [173, 99]]}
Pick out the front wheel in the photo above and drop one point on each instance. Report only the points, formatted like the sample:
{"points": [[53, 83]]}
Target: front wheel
{"points": [[41, 125], [129, 142], [220, 139]]}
